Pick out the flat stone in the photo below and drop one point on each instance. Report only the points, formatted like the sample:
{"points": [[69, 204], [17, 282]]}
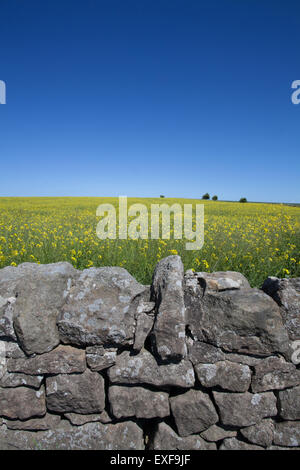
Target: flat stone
{"points": [[216, 433], [165, 438], [222, 280], [167, 292], [250, 361], [100, 308], [9, 380], [99, 358], [80, 420], [287, 434], [289, 403], [193, 412], [22, 403], [138, 402], [225, 374], [261, 434], [245, 409], [142, 368], [204, 353], [61, 360], [144, 324], [273, 373], [80, 393], [92, 436], [48, 421], [234, 444]]}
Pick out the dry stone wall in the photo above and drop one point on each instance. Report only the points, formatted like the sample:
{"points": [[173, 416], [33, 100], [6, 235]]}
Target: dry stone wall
{"points": [[94, 360]]}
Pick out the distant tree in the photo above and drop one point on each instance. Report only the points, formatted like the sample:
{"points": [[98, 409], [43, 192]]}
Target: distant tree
{"points": [[161, 195], [206, 196], [215, 198], [243, 199]]}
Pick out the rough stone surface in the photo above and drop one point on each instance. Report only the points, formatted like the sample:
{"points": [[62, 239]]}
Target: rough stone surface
{"points": [[49, 421], [100, 308], [193, 412], [167, 291], [91, 436], [225, 374], [221, 280], [99, 358], [80, 420], [235, 444], [204, 353], [80, 393], [22, 403], [216, 433], [287, 434], [261, 434], [126, 402], [144, 369], [289, 403], [144, 324], [286, 292], [245, 409], [274, 373], [17, 380], [166, 439], [61, 360]]}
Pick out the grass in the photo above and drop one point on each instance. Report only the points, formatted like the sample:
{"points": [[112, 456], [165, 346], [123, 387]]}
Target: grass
{"points": [[256, 239]]}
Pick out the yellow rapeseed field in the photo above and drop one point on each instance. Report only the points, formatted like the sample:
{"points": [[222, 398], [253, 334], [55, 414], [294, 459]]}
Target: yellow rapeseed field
{"points": [[258, 240]]}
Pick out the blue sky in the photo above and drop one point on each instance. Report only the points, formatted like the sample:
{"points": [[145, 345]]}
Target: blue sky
{"points": [[150, 97]]}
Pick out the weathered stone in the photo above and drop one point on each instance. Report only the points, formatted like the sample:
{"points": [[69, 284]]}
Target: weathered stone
{"points": [[167, 439], [138, 402], [234, 444], [80, 420], [17, 380], [142, 368], [144, 324], [222, 280], [243, 359], [225, 374], [13, 350], [92, 436], [80, 393], [22, 403], [61, 360], [289, 403], [41, 291], [49, 421], [193, 412], [6, 318], [99, 358], [273, 373], [245, 321], [245, 409], [169, 327], [100, 308], [216, 433], [287, 434], [205, 353], [286, 292], [261, 434]]}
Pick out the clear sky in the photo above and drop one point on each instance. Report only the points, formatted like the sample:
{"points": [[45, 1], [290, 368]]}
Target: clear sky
{"points": [[150, 97]]}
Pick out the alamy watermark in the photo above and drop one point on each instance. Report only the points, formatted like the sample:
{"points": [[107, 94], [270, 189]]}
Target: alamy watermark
{"points": [[186, 224], [2, 92], [296, 94]]}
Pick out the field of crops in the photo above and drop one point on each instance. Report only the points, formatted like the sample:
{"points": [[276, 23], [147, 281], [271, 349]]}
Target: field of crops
{"points": [[258, 240]]}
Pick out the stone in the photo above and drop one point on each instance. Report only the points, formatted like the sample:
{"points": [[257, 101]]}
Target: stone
{"points": [[224, 374], [193, 412], [167, 292], [100, 308], [204, 353], [138, 402], [48, 421], [7, 330], [142, 368], [287, 434], [99, 358], [245, 321], [273, 373], [216, 433], [289, 403], [22, 403], [243, 359], [13, 350], [222, 280], [144, 324], [61, 360], [9, 380], [41, 291], [80, 393], [235, 444], [286, 292], [261, 434], [244, 409], [165, 438], [92, 436], [80, 420]]}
